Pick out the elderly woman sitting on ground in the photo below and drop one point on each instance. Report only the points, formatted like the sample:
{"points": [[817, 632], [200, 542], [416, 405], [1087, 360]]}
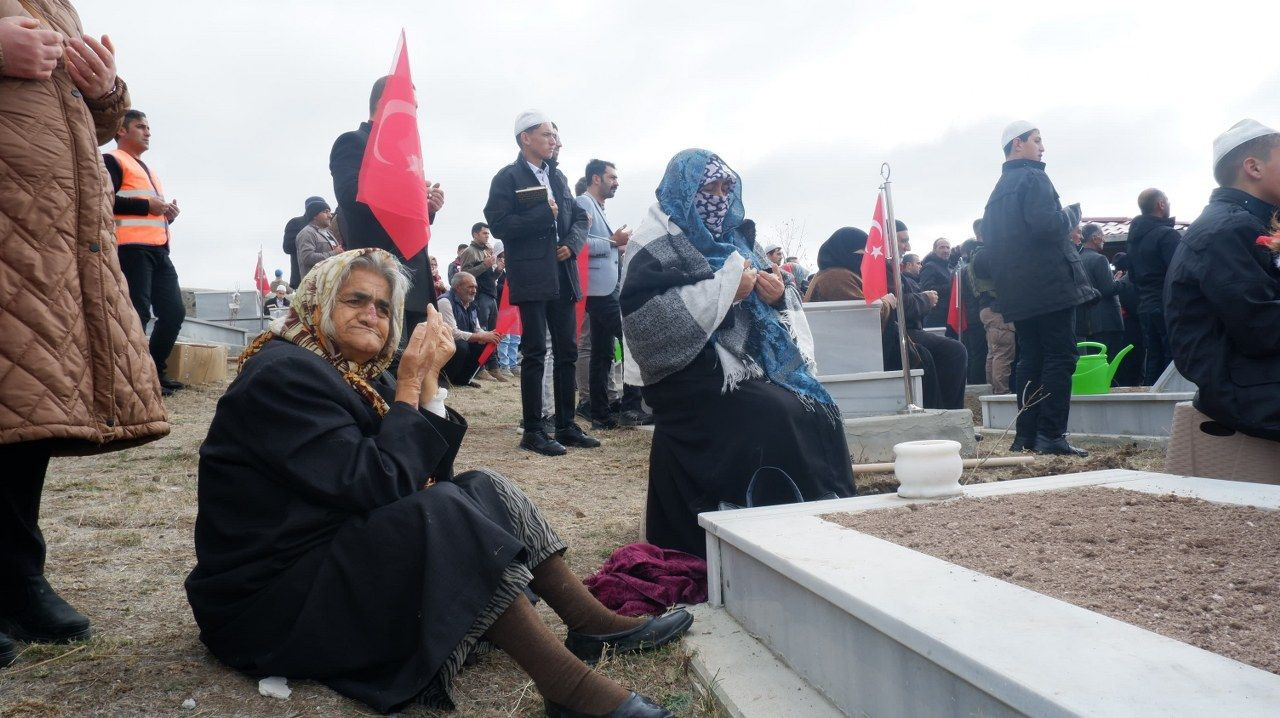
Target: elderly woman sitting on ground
{"points": [[719, 344], [347, 551]]}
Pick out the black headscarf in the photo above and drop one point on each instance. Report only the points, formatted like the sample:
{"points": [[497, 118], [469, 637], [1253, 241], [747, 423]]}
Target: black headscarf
{"points": [[841, 250]]}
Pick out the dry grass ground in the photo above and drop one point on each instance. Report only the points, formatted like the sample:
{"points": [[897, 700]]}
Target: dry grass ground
{"points": [[119, 528]]}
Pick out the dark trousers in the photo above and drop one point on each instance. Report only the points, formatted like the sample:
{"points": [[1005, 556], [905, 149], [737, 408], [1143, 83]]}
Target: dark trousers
{"points": [[1046, 360], [951, 367], [487, 309], [975, 346], [536, 318], [605, 316], [1114, 342], [462, 367], [21, 543], [1130, 372], [1155, 338], [153, 285]]}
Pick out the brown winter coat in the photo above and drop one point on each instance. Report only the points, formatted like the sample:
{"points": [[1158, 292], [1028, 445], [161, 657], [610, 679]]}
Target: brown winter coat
{"points": [[74, 365]]}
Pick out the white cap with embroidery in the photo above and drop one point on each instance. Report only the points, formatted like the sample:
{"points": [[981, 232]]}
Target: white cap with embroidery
{"points": [[1015, 130], [530, 118], [1240, 133]]}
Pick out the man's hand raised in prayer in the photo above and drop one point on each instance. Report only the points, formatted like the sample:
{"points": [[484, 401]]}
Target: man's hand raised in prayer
{"points": [[769, 286], [621, 236], [29, 52], [435, 197]]}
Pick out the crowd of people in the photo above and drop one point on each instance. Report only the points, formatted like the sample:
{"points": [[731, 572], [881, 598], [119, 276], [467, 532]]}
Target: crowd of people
{"points": [[352, 552]]}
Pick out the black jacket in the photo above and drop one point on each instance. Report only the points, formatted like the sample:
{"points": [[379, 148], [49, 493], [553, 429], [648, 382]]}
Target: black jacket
{"points": [[1222, 307], [291, 229], [531, 235], [936, 275], [1102, 315], [1027, 233], [360, 228], [1152, 241]]}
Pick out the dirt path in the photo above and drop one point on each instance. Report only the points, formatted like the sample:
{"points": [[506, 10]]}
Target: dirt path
{"points": [[119, 528]]}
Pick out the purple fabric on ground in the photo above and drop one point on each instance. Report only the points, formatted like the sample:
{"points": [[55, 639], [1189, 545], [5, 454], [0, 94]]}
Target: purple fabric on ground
{"points": [[641, 579]]}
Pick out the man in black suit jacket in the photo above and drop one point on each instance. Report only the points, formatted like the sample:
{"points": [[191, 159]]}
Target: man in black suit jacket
{"points": [[542, 239], [360, 228]]}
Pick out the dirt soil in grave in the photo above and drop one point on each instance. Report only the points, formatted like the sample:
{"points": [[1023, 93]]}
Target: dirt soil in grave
{"points": [[1201, 573]]}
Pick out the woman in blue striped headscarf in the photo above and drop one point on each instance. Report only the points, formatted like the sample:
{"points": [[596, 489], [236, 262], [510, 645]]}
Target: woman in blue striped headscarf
{"points": [[718, 341]]}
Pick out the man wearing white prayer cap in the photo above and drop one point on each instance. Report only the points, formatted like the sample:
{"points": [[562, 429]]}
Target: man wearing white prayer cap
{"points": [[1222, 293], [532, 210], [1040, 281]]}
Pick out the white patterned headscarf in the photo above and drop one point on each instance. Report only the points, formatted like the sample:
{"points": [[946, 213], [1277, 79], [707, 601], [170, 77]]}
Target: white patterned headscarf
{"points": [[710, 207]]}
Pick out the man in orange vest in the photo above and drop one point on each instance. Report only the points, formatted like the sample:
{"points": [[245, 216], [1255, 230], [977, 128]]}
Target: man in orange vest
{"points": [[142, 218]]}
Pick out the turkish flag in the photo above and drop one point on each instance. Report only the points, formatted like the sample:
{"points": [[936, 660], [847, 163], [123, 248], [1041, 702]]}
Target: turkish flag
{"points": [[956, 318], [875, 281], [260, 277], [508, 323], [584, 276], [392, 180]]}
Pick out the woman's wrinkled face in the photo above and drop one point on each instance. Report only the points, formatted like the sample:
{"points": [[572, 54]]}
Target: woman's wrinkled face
{"points": [[362, 315]]}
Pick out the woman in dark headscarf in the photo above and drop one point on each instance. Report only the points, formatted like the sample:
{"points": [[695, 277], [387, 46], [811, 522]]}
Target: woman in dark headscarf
{"points": [[346, 550], [839, 278], [719, 343]]}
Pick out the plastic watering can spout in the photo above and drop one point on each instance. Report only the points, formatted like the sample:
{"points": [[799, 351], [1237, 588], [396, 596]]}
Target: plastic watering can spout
{"points": [[1115, 363]]}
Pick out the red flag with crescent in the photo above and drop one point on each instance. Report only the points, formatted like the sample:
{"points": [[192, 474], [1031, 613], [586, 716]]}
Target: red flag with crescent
{"points": [[957, 317], [875, 280], [392, 180], [260, 277]]}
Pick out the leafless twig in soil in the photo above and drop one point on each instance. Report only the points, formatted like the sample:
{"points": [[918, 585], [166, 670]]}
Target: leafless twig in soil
{"points": [[1027, 402]]}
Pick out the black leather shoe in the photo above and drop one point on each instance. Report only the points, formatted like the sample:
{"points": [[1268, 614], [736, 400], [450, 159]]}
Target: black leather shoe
{"points": [[636, 417], [8, 651], [651, 634], [575, 436], [173, 384], [584, 410], [1022, 443], [539, 443], [1058, 446], [34, 613], [605, 424], [635, 706]]}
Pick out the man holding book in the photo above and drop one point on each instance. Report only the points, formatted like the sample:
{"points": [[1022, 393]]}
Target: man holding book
{"points": [[531, 209]]}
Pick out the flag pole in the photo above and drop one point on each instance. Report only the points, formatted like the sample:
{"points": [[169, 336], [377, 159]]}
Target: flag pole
{"points": [[891, 228]]}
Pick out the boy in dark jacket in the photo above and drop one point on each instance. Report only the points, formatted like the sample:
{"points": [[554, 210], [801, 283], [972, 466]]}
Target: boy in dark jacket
{"points": [[1222, 292], [1040, 282]]}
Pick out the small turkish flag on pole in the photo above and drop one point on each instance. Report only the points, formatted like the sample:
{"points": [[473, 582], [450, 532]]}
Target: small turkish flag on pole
{"points": [[875, 281], [392, 180], [508, 323], [260, 277], [956, 318]]}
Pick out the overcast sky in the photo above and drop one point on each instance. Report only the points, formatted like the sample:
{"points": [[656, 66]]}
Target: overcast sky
{"points": [[804, 99]]}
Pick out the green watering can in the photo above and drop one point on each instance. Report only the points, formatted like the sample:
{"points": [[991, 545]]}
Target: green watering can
{"points": [[1093, 373]]}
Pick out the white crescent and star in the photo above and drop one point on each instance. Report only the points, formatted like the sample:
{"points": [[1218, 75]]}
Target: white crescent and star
{"points": [[397, 107]]}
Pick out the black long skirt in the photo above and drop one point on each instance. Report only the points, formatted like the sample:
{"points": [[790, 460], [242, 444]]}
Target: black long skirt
{"points": [[708, 444]]}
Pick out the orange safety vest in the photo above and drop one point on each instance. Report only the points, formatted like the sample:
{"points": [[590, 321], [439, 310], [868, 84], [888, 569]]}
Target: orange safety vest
{"points": [[152, 230]]}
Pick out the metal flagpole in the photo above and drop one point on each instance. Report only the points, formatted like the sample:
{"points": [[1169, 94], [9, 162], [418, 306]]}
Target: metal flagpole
{"points": [[890, 234]]}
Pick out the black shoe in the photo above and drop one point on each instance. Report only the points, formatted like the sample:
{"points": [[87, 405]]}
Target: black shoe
{"points": [[8, 651], [655, 632], [538, 442], [606, 424], [1022, 443], [166, 392], [1058, 446], [575, 436], [636, 417], [636, 706], [34, 613], [171, 384], [584, 410]]}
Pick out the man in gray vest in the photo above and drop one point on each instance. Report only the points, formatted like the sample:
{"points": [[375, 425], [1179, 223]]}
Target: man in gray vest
{"points": [[605, 246]]}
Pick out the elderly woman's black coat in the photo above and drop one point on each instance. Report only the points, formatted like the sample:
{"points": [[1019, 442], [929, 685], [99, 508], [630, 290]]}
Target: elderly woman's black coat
{"points": [[319, 553]]}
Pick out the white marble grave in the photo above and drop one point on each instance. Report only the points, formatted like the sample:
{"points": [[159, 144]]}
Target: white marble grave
{"points": [[881, 630]]}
